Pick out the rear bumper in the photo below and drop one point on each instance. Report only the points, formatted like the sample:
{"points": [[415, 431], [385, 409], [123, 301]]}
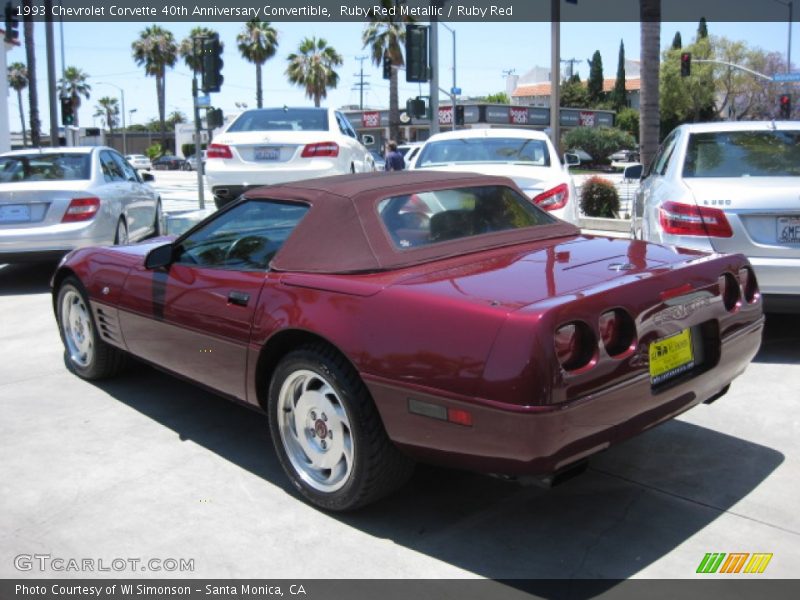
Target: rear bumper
{"points": [[517, 440], [27, 244], [777, 276]]}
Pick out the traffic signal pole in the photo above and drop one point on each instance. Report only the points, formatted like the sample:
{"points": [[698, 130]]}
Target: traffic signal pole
{"points": [[51, 77], [198, 41]]}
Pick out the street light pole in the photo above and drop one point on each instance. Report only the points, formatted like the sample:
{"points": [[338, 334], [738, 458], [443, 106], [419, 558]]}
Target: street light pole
{"points": [[453, 95], [122, 96], [790, 5], [555, 74]]}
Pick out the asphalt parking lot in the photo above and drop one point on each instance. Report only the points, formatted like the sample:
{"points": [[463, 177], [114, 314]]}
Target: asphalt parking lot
{"points": [[146, 466]]}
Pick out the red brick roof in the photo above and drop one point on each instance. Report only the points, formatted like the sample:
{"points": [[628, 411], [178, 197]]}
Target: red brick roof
{"points": [[533, 90]]}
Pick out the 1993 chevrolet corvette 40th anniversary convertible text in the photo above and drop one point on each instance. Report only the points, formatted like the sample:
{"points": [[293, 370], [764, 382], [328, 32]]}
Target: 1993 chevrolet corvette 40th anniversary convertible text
{"points": [[381, 319]]}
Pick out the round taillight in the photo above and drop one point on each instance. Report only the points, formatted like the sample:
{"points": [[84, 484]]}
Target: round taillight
{"points": [[575, 345], [617, 331], [747, 279], [730, 292]]}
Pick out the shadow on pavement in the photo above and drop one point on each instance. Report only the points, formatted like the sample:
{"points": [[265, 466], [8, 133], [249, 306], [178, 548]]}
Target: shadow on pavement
{"points": [[781, 340], [28, 278], [636, 503]]}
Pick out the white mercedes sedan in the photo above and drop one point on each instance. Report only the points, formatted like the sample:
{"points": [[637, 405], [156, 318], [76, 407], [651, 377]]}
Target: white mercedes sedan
{"points": [[53, 200], [524, 155], [730, 187], [263, 146]]}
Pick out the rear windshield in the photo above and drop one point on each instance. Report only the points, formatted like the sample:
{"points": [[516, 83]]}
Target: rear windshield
{"points": [[282, 119], [743, 154], [44, 167], [503, 150], [432, 217]]}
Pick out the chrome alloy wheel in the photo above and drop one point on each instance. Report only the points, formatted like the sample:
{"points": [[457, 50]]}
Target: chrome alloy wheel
{"points": [[76, 323], [315, 431]]}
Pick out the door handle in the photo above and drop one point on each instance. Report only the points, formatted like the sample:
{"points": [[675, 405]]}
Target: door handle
{"points": [[238, 298]]}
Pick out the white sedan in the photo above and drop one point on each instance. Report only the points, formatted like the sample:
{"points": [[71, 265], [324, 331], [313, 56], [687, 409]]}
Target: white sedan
{"points": [[53, 200], [731, 188], [139, 161], [263, 146], [526, 156]]}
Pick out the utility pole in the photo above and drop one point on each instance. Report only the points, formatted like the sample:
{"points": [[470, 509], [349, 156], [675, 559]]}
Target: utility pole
{"points": [[361, 84], [571, 62], [555, 79]]}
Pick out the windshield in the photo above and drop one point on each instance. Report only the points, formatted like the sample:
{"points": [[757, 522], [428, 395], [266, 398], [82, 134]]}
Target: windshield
{"points": [[438, 216], [494, 150], [44, 167], [282, 119], [743, 154]]}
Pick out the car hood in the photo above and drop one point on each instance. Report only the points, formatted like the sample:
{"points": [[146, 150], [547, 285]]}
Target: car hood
{"points": [[532, 180], [523, 275]]}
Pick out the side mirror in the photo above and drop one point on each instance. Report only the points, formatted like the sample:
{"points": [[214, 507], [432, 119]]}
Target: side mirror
{"points": [[571, 160], [159, 257], [633, 172], [147, 177], [367, 139]]}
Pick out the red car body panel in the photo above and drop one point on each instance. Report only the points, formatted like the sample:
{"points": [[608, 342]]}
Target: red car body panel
{"points": [[472, 331]]}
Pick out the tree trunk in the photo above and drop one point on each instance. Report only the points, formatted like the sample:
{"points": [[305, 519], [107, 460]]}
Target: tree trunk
{"points": [[161, 94], [317, 99], [33, 94], [259, 93], [394, 109], [649, 121], [76, 104], [22, 119]]}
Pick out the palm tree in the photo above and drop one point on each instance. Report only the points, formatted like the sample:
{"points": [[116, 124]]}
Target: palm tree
{"points": [[73, 85], [649, 123], [108, 108], [30, 59], [186, 49], [156, 50], [385, 36], [18, 80], [312, 68], [257, 44]]}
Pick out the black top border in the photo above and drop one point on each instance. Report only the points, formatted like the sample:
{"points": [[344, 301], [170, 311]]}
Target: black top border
{"points": [[498, 11]]}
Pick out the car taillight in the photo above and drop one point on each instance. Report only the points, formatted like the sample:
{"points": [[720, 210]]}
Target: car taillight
{"points": [[747, 279], [553, 199], [729, 290], [81, 209], [574, 345], [617, 331], [686, 219], [218, 151], [321, 149]]}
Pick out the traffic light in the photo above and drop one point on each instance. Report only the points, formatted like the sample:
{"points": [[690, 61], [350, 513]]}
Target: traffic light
{"points": [[686, 64], [415, 107], [786, 106], [214, 118], [417, 53], [387, 66], [212, 64], [67, 111], [12, 24], [459, 114]]}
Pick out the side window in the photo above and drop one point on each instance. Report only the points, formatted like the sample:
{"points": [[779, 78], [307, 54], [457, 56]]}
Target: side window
{"points": [[128, 173], [661, 161], [244, 238], [341, 125], [111, 170]]}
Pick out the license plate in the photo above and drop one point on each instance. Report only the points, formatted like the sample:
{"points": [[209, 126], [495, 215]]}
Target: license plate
{"points": [[671, 356], [267, 153], [15, 213], [789, 230]]}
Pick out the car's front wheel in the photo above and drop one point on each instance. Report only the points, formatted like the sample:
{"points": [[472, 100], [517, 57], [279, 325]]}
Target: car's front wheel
{"points": [[85, 353], [328, 434]]}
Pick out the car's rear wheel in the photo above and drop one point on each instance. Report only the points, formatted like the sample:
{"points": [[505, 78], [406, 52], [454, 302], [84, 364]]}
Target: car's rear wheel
{"points": [[328, 434], [159, 224], [85, 353], [121, 236]]}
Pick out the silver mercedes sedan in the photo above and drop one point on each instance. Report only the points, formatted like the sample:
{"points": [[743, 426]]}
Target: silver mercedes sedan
{"points": [[53, 200], [730, 187]]}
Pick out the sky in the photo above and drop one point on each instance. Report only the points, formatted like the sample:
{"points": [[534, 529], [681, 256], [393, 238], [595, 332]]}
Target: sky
{"points": [[483, 52]]}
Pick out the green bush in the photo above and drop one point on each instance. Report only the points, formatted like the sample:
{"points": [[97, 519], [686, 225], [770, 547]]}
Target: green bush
{"points": [[188, 149], [599, 142], [599, 198], [154, 151], [628, 120]]}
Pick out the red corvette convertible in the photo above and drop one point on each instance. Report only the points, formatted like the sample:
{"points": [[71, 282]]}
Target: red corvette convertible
{"points": [[382, 319]]}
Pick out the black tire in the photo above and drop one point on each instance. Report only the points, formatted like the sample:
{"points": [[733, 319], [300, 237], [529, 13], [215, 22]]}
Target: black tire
{"points": [[377, 467], [121, 233], [158, 223], [96, 359]]}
